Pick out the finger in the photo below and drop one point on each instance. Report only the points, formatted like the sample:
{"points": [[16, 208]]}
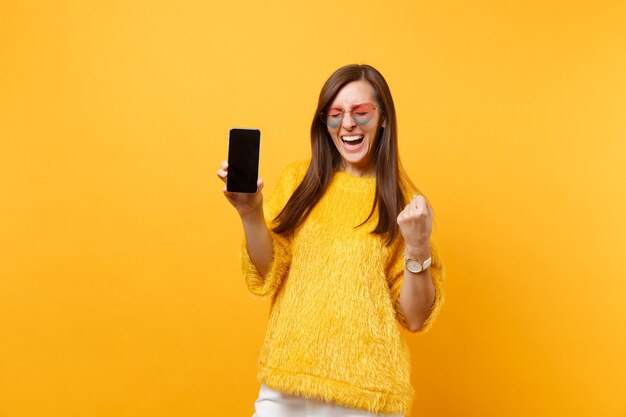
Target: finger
{"points": [[259, 185], [428, 208], [408, 211], [224, 165], [418, 200], [403, 213], [425, 206], [417, 210], [222, 175], [431, 212], [422, 205]]}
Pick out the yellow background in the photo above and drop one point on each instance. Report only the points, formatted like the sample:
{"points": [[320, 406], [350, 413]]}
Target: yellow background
{"points": [[120, 292]]}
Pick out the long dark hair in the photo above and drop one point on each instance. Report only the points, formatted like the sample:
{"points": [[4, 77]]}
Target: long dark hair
{"points": [[391, 179]]}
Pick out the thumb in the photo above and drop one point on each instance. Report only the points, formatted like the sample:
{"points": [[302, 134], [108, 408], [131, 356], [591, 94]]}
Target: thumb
{"points": [[259, 185]]}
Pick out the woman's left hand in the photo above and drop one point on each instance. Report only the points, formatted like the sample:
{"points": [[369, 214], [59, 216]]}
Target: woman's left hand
{"points": [[416, 223]]}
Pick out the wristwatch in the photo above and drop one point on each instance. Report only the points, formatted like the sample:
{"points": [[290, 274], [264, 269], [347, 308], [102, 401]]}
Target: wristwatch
{"points": [[415, 266]]}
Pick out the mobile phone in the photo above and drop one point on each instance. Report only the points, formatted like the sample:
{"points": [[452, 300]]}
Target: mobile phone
{"points": [[243, 160]]}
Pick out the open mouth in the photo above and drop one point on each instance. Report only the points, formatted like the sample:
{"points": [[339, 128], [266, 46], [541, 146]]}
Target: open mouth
{"points": [[352, 140]]}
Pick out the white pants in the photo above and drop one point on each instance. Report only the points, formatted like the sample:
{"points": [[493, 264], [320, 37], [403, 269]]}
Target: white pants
{"points": [[277, 404]]}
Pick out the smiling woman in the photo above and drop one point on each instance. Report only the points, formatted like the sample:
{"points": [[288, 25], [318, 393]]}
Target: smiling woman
{"points": [[343, 250], [354, 136]]}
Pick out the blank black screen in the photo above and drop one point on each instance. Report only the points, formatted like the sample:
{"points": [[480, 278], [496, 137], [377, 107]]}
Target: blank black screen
{"points": [[243, 160]]}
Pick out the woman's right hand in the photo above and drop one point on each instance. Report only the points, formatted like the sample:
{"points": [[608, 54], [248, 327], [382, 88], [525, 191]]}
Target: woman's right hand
{"points": [[244, 203]]}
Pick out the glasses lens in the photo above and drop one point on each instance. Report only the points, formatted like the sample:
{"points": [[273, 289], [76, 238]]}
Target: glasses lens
{"points": [[362, 114], [334, 118]]}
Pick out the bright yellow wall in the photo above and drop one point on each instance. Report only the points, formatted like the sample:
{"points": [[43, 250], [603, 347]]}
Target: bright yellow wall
{"points": [[120, 293]]}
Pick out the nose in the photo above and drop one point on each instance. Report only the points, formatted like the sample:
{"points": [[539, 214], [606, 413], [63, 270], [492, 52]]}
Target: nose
{"points": [[347, 122]]}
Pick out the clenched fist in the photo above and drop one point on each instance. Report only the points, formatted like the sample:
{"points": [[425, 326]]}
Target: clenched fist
{"points": [[416, 223]]}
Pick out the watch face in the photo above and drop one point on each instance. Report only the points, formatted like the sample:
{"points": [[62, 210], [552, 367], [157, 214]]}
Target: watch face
{"points": [[413, 266]]}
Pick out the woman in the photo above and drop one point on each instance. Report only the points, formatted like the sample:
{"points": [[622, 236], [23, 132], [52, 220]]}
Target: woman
{"points": [[343, 250]]}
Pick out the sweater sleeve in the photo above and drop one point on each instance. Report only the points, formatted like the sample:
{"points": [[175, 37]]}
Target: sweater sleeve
{"points": [[268, 285], [437, 272]]}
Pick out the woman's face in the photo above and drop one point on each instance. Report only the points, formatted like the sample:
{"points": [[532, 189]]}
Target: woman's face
{"points": [[352, 120]]}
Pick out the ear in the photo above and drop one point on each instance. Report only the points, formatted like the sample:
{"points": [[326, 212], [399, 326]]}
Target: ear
{"points": [[383, 125]]}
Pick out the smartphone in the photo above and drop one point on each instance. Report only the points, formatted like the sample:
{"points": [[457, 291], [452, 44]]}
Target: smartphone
{"points": [[243, 160]]}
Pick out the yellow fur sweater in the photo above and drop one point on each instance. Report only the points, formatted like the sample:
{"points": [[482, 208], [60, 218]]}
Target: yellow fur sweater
{"points": [[333, 330]]}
